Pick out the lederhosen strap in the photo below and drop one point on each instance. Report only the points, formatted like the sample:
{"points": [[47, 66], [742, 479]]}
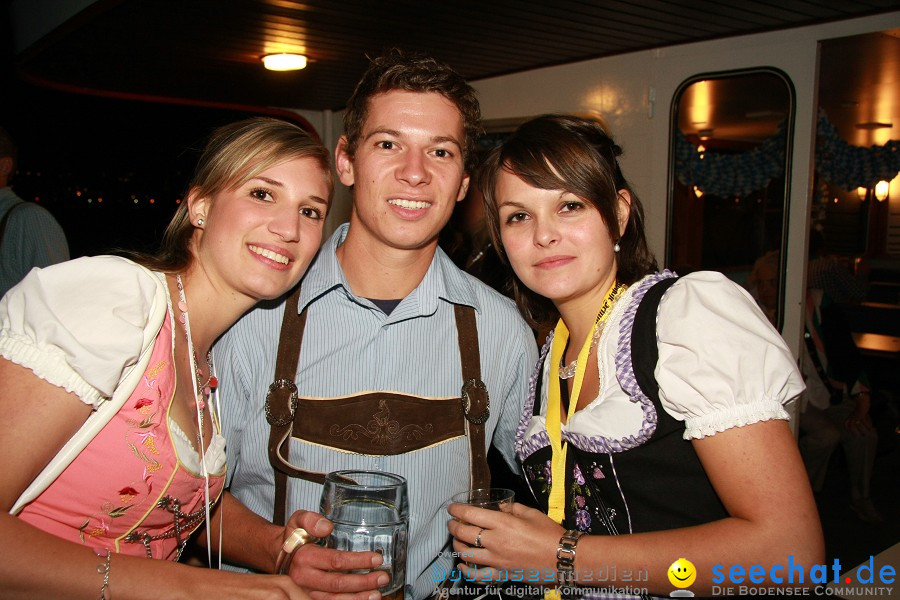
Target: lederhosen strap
{"points": [[281, 403], [413, 423], [474, 395]]}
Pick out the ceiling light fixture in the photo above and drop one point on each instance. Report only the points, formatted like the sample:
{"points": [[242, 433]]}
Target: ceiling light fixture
{"points": [[284, 62]]}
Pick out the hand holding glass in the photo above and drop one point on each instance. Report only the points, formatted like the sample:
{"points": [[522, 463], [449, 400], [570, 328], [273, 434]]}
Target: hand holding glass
{"points": [[500, 499], [370, 513], [491, 498]]}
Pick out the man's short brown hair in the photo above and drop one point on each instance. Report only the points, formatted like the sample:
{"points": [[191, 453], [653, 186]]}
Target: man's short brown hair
{"points": [[397, 69]]}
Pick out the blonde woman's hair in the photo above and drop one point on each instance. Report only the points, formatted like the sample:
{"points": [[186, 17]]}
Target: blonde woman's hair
{"points": [[233, 155]]}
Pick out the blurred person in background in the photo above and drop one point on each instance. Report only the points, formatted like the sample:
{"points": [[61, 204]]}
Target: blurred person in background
{"points": [[29, 235]]}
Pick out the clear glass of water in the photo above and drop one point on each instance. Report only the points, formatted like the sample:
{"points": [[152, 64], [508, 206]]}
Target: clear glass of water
{"points": [[370, 512], [491, 498], [500, 499]]}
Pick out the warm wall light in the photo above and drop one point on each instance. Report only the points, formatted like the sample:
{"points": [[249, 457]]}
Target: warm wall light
{"points": [[861, 193], [698, 192], [881, 190], [284, 62]]}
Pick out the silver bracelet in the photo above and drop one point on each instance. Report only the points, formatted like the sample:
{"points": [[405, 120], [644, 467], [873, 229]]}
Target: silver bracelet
{"points": [[103, 569], [565, 558]]}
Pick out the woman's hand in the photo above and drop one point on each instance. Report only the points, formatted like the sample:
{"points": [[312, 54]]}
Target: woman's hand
{"points": [[523, 538]]}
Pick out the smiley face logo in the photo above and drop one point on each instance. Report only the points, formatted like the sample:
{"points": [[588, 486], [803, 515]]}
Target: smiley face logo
{"points": [[682, 573]]}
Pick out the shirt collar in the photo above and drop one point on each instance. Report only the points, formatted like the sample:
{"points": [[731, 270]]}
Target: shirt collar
{"points": [[443, 281]]}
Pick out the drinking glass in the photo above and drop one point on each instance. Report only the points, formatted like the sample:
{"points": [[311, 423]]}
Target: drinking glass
{"points": [[492, 498], [370, 512]]}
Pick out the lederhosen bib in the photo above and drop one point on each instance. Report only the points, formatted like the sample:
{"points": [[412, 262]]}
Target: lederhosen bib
{"points": [[376, 423]]}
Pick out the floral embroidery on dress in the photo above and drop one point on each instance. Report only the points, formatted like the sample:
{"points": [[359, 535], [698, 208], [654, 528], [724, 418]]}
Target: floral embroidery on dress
{"points": [[582, 490], [576, 474], [140, 439], [584, 505], [127, 494], [582, 520], [588, 512], [539, 474]]}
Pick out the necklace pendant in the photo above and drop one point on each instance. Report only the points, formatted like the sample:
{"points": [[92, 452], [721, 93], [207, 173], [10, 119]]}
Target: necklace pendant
{"points": [[568, 371]]}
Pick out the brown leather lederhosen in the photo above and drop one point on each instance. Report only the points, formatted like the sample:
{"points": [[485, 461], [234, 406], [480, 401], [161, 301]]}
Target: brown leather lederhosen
{"points": [[376, 423]]}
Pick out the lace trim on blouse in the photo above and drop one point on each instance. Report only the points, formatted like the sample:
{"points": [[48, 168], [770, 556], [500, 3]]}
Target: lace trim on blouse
{"points": [[625, 377], [190, 457]]}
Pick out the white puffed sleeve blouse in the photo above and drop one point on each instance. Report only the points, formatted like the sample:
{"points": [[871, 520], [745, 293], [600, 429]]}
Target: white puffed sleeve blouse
{"points": [[721, 365], [83, 324]]}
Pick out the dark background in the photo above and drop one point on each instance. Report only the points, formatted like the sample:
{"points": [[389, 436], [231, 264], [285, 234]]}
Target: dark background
{"points": [[111, 171]]}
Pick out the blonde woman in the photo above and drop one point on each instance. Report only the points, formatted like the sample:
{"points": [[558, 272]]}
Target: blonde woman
{"points": [[112, 447]]}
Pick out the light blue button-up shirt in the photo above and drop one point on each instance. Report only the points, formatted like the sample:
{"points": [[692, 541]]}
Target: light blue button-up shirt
{"points": [[31, 238], [351, 347]]}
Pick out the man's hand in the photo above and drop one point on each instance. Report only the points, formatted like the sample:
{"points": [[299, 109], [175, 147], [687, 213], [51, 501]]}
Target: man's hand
{"points": [[324, 572]]}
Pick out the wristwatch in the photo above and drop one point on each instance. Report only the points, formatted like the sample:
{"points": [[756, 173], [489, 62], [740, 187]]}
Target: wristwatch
{"points": [[565, 557]]}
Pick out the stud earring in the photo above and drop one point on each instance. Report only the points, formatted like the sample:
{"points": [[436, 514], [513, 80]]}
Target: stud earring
{"points": [[616, 248], [200, 222]]}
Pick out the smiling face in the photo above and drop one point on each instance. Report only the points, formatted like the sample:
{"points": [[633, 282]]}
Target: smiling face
{"points": [[682, 573], [557, 243], [258, 238], [407, 170]]}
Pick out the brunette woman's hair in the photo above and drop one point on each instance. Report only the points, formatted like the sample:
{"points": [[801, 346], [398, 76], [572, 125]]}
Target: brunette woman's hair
{"points": [[575, 155]]}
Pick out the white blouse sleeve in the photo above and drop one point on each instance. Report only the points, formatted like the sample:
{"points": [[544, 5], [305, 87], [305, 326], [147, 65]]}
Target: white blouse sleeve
{"points": [[721, 363], [80, 324]]}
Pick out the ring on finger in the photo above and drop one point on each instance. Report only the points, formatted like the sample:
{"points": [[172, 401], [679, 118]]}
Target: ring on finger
{"points": [[478, 543], [298, 538]]}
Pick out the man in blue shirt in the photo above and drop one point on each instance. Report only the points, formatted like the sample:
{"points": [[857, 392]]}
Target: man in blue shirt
{"points": [[383, 342], [29, 235]]}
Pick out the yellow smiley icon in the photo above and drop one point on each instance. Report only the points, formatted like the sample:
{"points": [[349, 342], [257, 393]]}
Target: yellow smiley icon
{"points": [[682, 573]]}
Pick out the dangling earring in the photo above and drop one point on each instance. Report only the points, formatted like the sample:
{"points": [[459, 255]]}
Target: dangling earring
{"points": [[200, 222], [616, 248]]}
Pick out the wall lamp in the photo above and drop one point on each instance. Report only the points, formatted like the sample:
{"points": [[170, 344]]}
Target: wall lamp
{"points": [[882, 189]]}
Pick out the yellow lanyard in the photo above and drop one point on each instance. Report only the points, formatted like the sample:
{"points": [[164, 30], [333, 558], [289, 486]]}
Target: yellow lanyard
{"points": [[556, 504]]}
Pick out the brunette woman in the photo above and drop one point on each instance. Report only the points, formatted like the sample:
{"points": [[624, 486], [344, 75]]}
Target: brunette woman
{"points": [[699, 464]]}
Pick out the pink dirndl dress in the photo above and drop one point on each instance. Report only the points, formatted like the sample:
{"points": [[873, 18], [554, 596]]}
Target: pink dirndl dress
{"points": [[128, 491]]}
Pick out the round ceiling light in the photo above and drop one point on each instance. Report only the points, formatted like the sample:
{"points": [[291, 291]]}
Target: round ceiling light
{"points": [[284, 62]]}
